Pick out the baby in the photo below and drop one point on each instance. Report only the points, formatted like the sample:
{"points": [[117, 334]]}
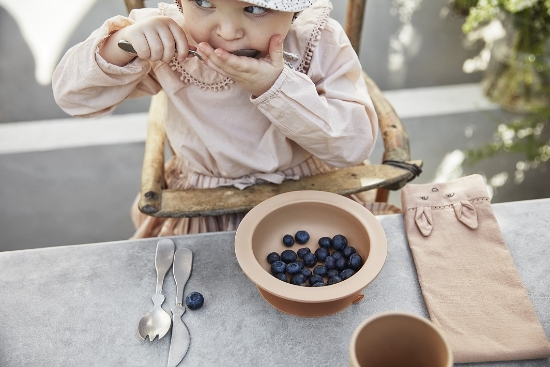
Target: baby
{"points": [[299, 108]]}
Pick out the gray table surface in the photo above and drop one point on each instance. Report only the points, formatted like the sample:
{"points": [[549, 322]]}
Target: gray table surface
{"points": [[80, 305]]}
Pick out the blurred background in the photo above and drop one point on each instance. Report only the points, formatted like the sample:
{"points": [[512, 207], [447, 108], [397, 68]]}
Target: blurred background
{"points": [[66, 181]]}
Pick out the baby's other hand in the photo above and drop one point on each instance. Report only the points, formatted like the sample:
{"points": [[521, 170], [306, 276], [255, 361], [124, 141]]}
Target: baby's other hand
{"points": [[157, 38], [256, 76]]}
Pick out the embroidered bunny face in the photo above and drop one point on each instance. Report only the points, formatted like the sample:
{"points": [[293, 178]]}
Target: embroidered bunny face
{"points": [[438, 198]]}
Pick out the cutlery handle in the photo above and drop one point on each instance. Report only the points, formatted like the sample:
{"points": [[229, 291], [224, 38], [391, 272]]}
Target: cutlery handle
{"points": [[163, 260], [183, 263]]}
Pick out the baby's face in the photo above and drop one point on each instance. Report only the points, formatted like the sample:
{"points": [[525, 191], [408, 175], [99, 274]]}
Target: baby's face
{"points": [[233, 24]]}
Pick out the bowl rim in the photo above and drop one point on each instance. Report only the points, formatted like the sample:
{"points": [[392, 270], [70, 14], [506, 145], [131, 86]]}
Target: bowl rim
{"points": [[263, 279]]}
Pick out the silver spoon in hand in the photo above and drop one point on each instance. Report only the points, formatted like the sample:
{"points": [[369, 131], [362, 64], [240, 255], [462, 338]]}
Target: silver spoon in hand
{"points": [[248, 52]]}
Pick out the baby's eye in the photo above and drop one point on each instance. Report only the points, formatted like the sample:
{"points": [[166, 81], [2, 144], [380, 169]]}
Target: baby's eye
{"points": [[255, 9], [203, 3]]}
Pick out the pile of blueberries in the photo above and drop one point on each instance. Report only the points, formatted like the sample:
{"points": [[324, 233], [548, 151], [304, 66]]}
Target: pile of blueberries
{"points": [[335, 266]]}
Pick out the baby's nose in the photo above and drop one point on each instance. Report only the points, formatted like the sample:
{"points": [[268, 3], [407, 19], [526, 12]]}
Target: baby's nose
{"points": [[230, 30]]}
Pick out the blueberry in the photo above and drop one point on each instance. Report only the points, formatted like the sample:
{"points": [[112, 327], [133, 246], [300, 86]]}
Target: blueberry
{"points": [[355, 262], [310, 260], [306, 272], [298, 279], [334, 280], [320, 270], [320, 284], [337, 255], [346, 273], [194, 300], [288, 256], [332, 273], [321, 253], [315, 279], [348, 251], [325, 242], [272, 257], [281, 276], [341, 264], [339, 242], [288, 240], [330, 263], [301, 237], [278, 267], [303, 251], [293, 268]]}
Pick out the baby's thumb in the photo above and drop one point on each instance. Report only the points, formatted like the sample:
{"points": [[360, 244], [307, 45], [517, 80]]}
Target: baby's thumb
{"points": [[276, 50]]}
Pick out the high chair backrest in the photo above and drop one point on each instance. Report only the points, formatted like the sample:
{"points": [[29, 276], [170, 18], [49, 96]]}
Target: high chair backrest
{"points": [[394, 172]]}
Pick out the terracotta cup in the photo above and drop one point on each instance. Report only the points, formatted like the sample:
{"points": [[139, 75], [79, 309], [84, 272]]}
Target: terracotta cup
{"points": [[397, 339]]}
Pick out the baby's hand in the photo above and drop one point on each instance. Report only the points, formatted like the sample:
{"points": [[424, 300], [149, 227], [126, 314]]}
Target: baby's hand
{"points": [[157, 38], [255, 76]]}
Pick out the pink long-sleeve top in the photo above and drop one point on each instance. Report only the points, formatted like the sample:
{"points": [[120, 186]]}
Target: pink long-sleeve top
{"points": [[318, 106]]}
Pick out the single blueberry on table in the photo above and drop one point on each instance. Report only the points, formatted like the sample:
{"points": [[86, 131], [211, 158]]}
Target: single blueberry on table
{"points": [[330, 263], [321, 253], [310, 260], [303, 252], [334, 280], [320, 270], [337, 255], [325, 242], [288, 240], [278, 267], [339, 242], [301, 237], [306, 272], [348, 251], [293, 268], [341, 264], [272, 257], [346, 273], [288, 256], [316, 279], [297, 279], [355, 262], [194, 300]]}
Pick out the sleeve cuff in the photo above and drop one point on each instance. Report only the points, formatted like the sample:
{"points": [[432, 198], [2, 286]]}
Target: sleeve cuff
{"points": [[111, 26], [275, 88]]}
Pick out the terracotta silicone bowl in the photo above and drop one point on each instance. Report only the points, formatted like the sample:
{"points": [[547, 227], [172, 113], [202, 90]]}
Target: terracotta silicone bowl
{"points": [[321, 214]]}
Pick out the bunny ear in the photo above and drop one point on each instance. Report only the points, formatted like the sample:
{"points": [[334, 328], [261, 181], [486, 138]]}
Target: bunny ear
{"points": [[423, 219], [466, 213]]}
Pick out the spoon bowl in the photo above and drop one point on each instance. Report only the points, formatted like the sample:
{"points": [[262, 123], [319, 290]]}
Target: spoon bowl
{"points": [[248, 52]]}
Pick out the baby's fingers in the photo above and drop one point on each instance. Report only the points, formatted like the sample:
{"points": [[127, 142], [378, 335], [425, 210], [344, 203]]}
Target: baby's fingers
{"points": [[182, 46], [222, 61]]}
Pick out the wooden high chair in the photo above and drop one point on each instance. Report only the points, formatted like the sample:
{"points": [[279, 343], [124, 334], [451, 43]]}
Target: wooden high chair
{"points": [[394, 172]]}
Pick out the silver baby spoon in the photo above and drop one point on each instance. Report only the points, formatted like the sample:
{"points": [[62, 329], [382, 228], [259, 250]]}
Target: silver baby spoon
{"points": [[248, 52]]}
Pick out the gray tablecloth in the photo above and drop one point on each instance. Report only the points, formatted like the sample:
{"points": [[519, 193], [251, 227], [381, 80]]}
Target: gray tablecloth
{"points": [[80, 305]]}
